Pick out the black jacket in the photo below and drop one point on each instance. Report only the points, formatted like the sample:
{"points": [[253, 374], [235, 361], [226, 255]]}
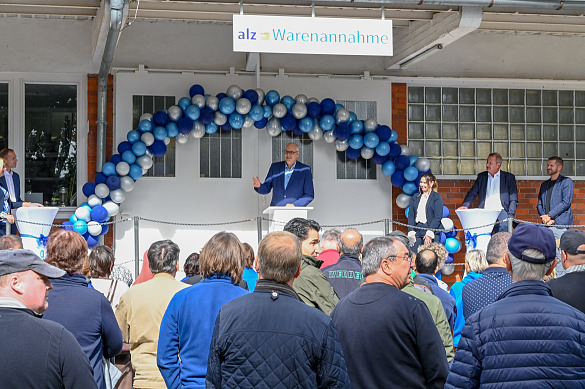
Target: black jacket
{"points": [[346, 275]]}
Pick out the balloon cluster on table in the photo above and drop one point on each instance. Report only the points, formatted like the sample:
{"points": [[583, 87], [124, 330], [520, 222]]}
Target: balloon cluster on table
{"points": [[201, 114]]}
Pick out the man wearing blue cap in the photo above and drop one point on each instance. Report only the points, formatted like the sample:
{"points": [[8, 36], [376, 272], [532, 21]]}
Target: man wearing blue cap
{"points": [[527, 337]]}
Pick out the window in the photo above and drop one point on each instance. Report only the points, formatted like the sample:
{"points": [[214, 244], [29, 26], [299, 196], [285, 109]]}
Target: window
{"points": [[221, 154], [3, 116], [456, 128], [51, 142], [357, 169], [303, 141], [162, 166]]}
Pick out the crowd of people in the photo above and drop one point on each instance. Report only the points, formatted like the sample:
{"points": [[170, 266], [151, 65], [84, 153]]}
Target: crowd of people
{"points": [[377, 316]]}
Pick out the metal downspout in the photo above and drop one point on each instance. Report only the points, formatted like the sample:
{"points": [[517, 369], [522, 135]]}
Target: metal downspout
{"points": [[116, 19]]}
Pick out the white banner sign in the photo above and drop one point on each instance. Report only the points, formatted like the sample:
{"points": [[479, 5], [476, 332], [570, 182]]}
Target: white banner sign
{"points": [[307, 35]]}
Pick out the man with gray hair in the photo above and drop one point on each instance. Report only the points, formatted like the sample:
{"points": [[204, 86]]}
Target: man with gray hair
{"points": [[527, 338], [388, 337], [571, 287], [346, 275], [486, 289], [142, 308], [329, 247], [8, 242], [270, 338]]}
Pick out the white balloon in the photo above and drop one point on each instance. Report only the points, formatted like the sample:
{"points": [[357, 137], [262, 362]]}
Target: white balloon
{"points": [[147, 138], [102, 191], [144, 162], [243, 106], [212, 102], [198, 100], [316, 133], [313, 100], [342, 115], [83, 213], [448, 269], [220, 118], [174, 112], [279, 110], [447, 223], [299, 110], [370, 125], [261, 96], [144, 171], [126, 183], [167, 140], [94, 201], [248, 123], [112, 207], [122, 168], [94, 228], [234, 91], [403, 200], [182, 138], [341, 145], [149, 153], [273, 127], [198, 130], [404, 150], [118, 196], [329, 137], [367, 153], [303, 99], [146, 116], [422, 164]]}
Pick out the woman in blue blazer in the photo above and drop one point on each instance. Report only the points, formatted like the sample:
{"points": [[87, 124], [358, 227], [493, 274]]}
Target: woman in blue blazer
{"points": [[426, 211]]}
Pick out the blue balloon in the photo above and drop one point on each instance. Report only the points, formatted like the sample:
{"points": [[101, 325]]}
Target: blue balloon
{"points": [[388, 168], [92, 241], [413, 159], [409, 188], [133, 136], [124, 146], [172, 129], [445, 212], [442, 238], [100, 178], [129, 157], [352, 153], [115, 159], [236, 120], [160, 118], [306, 124], [338, 107], [196, 90], [256, 112], [356, 141], [211, 128], [72, 219], [183, 103], [288, 122], [109, 169], [288, 102], [313, 109], [379, 159], [402, 162], [357, 126], [410, 173], [145, 126], [327, 122], [192, 112], [68, 226], [80, 226], [352, 117], [260, 124], [371, 140], [158, 148], [113, 182], [452, 233], [384, 132], [267, 111], [397, 179], [185, 125], [206, 115], [226, 127], [160, 133], [296, 131], [88, 188], [450, 259], [227, 105], [393, 137], [139, 149], [342, 131], [220, 95], [105, 228], [452, 245], [383, 149], [135, 172], [99, 213], [395, 150], [327, 106], [251, 95], [272, 97]]}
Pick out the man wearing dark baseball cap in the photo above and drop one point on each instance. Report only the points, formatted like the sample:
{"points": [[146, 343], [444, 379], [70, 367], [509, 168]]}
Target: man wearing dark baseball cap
{"points": [[39, 353], [526, 337], [570, 288]]}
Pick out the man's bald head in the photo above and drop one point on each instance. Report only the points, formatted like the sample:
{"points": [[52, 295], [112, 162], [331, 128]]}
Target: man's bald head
{"points": [[351, 242], [426, 262]]}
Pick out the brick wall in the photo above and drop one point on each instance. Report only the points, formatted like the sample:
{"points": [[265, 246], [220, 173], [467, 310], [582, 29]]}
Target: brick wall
{"points": [[454, 191]]}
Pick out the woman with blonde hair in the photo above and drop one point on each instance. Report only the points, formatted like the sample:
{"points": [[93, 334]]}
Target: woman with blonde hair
{"points": [[425, 212]]}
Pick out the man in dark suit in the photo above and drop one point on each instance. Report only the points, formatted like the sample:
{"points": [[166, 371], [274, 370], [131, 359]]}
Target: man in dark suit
{"points": [[496, 189], [290, 181]]}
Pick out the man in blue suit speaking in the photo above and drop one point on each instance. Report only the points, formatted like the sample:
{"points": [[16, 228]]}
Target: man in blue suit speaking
{"points": [[290, 181]]}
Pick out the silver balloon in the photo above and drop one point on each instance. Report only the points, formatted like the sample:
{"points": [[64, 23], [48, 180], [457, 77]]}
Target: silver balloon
{"points": [[299, 110], [422, 164], [220, 118], [313, 100], [167, 140], [198, 100], [341, 145], [182, 138], [118, 196], [149, 153], [234, 91], [198, 130], [144, 162], [122, 168], [403, 200], [342, 115], [146, 116], [126, 183], [248, 123], [370, 125], [329, 137], [404, 150], [367, 153], [279, 110], [448, 269], [273, 127], [144, 171], [261, 96], [147, 138], [112, 207], [301, 99], [94, 201], [174, 112], [102, 191], [316, 133], [94, 228], [243, 106], [213, 103]]}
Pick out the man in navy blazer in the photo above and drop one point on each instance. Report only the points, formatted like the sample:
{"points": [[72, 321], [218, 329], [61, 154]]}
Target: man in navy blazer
{"points": [[290, 181], [489, 181]]}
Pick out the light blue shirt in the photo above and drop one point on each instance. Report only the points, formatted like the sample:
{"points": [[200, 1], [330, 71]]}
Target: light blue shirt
{"points": [[287, 173]]}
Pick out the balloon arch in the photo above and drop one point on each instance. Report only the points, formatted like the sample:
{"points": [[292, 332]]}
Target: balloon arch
{"points": [[202, 114]]}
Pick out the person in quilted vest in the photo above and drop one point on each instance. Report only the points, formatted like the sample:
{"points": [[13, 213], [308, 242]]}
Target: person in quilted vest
{"points": [[527, 338], [270, 338]]}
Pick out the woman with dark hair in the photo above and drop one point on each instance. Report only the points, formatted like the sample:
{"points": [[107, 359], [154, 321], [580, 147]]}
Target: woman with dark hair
{"points": [[189, 320], [100, 263], [191, 266], [250, 275], [84, 311], [425, 212]]}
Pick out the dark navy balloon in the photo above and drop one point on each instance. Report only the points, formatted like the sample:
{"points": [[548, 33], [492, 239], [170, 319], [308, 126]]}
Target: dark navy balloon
{"points": [[196, 90]]}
